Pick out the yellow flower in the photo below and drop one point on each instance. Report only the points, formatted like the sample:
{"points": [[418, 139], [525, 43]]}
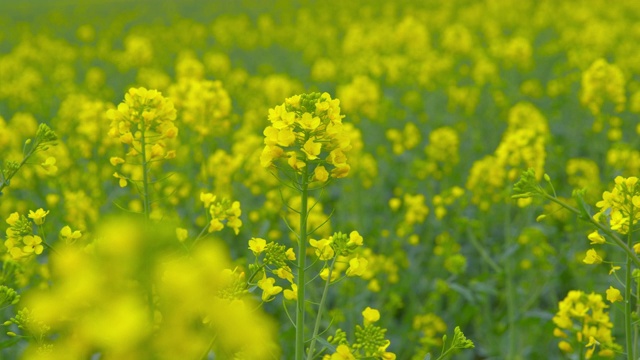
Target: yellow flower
{"points": [[613, 294], [357, 266], [182, 234], [215, 225], [342, 353], [309, 122], [370, 315], [68, 235], [270, 153], [340, 171], [592, 345], [559, 333], [33, 244], [284, 273], [157, 151], [592, 257], [116, 160], [614, 269], [257, 245], [126, 138], [312, 149], [13, 218], [320, 174], [286, 137], [355, 238], [49, 165], [122, 180], [290, 254], [596, 238], [207, 199], [324, 274], [38, 216], [324, 251], [565, 346], [294, 162], [291, 294], [268, 289]]}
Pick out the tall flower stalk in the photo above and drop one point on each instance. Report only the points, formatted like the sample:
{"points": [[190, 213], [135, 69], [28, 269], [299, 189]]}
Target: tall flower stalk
{"points": [[305, 142], [618, 215], [144, 122]]}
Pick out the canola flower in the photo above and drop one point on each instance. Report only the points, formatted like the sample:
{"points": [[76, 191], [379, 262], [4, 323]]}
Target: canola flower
{"points": [[21, 242], [307, 131], [582, 321], [144, 121], [97, 303]]}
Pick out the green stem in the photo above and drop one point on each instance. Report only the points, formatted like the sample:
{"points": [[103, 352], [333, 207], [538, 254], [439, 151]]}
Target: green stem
{"points": [[44, 239], [302, 256], [316, 327], [483, 253], [635, 328], [146, 204], [627, 296], [145, 175], [511, 295], [208, 350]]}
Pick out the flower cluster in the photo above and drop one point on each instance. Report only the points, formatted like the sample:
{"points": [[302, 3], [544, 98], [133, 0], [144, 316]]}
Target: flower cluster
{"points": [[582, 320], [204, 106], [8, 296], [442, 153], [600, 83], [342, 249], [306, 131], [405, 139], [369, 341], [144, 115], [27, 321], [431, 327], [415, 211], [276, 260], [221, 211], [522, 146], [21, 242], [621, 206]]}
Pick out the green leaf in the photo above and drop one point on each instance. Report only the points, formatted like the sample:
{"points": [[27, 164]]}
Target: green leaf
{"points": [[327, 344], [583, 207]]}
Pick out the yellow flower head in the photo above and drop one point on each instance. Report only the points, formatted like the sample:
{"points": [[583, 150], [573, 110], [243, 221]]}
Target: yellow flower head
{"points": [[38, 216], [291, 294], [613, 294], [13, 218], [268, 288], [370, 315], [357, 266], [355, 239], [596, 238], [592, 257], [307, 131], [257, 245], [68, 235]]}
